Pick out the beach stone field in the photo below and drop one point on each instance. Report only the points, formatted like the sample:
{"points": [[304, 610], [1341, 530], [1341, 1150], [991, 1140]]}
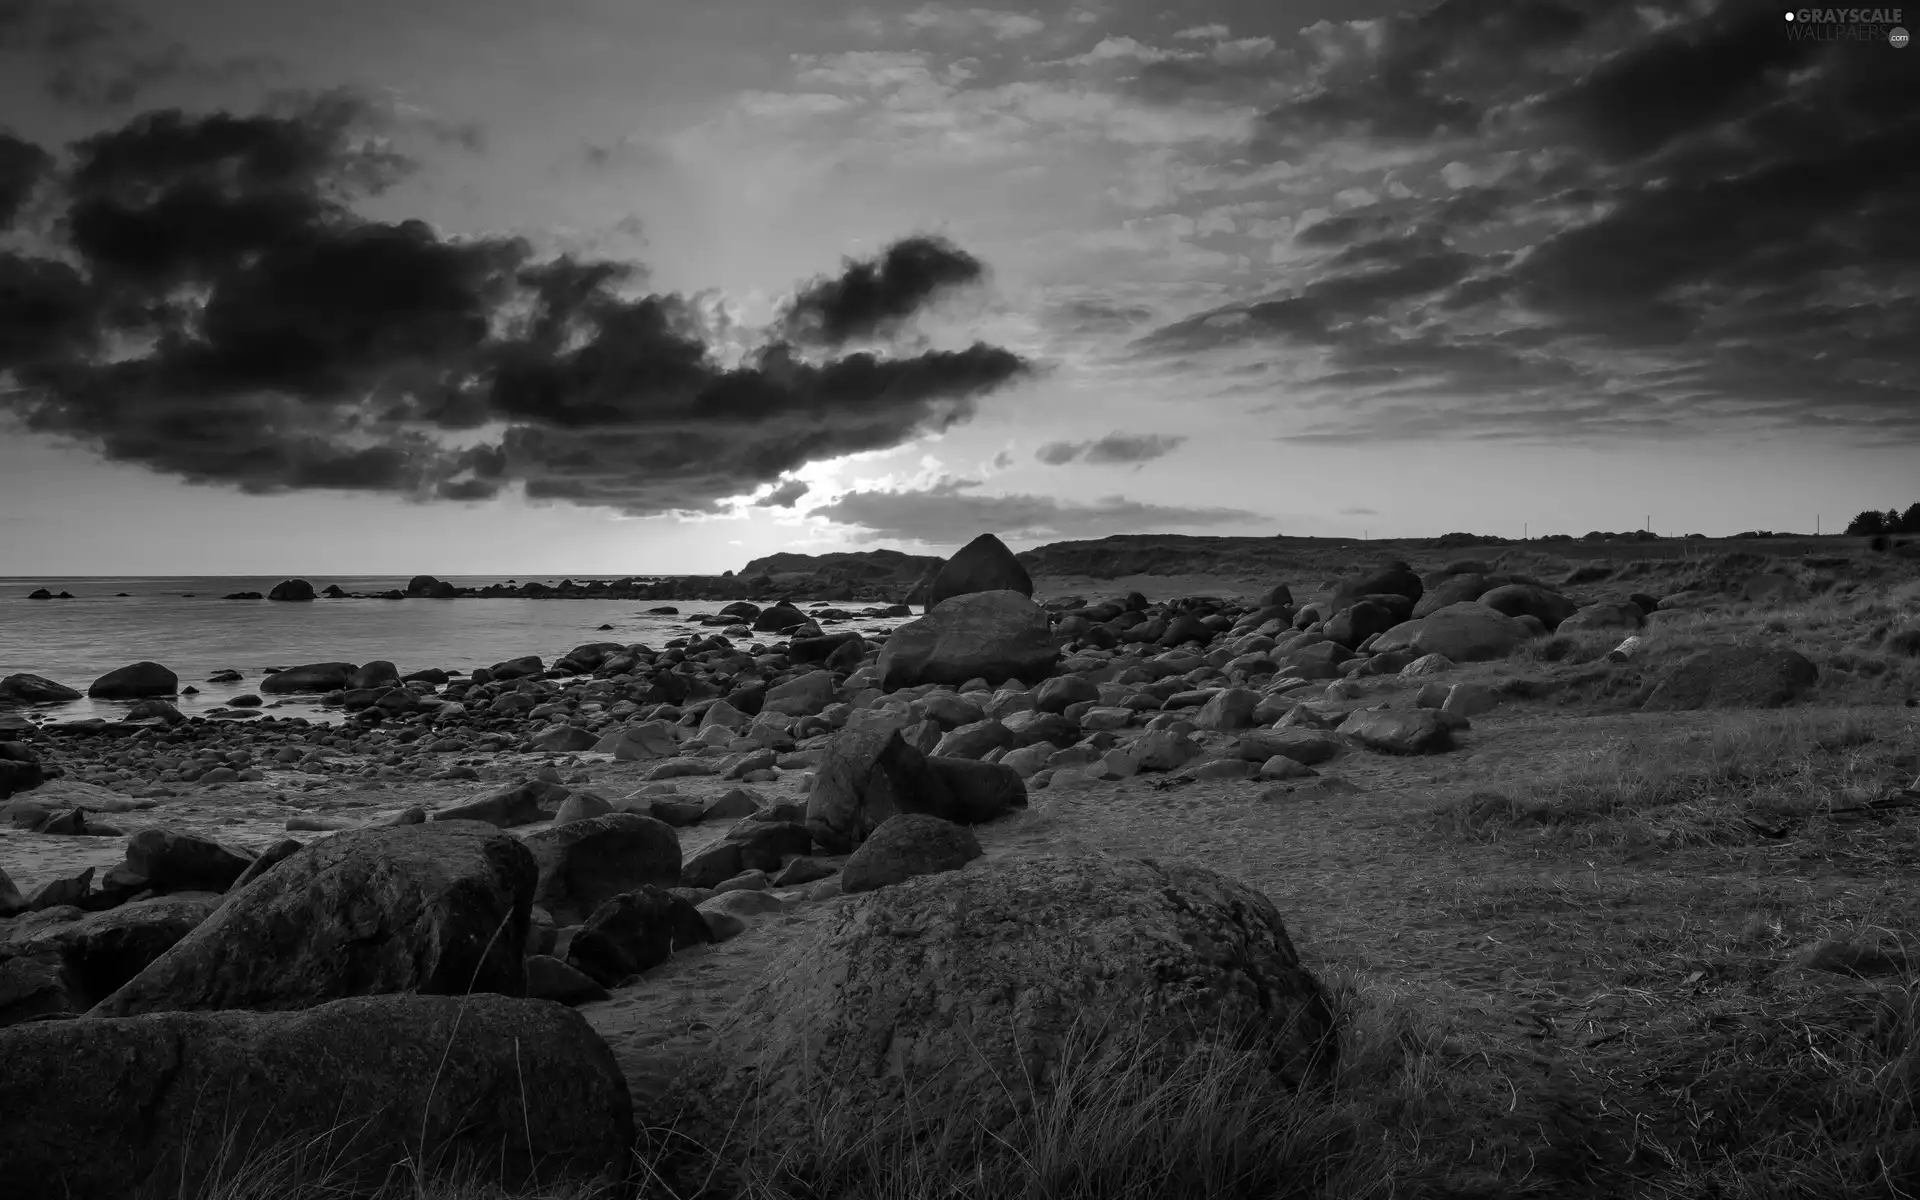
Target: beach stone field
{"points": [[575, 892]]}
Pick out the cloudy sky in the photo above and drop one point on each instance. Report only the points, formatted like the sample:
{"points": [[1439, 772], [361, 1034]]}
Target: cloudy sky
{"points": [[618, 286]]}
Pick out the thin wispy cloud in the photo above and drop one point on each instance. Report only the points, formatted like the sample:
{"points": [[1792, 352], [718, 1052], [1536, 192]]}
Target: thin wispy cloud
{"points": [[1114, 448], [950, 512]]}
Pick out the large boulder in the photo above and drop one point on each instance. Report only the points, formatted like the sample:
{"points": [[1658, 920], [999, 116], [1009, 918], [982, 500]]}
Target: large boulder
{"points": [[441, 907], [870, 773], [313, 677], [149, 1105], [982, 565], [950, 985], [1733, 677], [585, 863], [995, 636], [1530, 600], [1464, 632], [291, 589], [135, 682], [34, 689]]}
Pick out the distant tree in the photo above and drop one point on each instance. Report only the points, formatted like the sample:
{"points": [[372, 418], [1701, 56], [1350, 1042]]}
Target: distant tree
{"points": [[1910, 522], [1893, 520], [1867, 524]]}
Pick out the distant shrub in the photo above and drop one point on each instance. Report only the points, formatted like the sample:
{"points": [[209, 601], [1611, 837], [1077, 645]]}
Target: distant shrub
{"points": [[1880, 542], [1454, 541]]}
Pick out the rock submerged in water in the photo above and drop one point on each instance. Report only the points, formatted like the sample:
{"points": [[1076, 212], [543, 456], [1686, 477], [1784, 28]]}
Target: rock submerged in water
{"points": [[135, 682], [291, 589], [33, 689], [313, 677], [120, 1107]]}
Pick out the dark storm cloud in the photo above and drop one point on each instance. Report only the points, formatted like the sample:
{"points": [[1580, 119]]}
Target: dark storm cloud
{"points": [[946, 513], [1680, 204], [268, 337], [786, 495], [1114, 448], [872, 297], [100, 54], [22, 166]]}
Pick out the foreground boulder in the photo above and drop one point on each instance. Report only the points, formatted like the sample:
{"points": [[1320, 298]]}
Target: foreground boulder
{"points": [[441, 908], [1733, 677], [108, 1109], [995, 636], [982, 565], [135, 682], [948, 984]]}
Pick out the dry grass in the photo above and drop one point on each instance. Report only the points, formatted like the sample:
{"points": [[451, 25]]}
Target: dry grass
{"points": [[1706, 938], [1120, 1120], [1742, 776]]}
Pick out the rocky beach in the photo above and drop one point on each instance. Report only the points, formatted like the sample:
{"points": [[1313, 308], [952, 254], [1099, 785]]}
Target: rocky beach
{"points": [[644, 858]]}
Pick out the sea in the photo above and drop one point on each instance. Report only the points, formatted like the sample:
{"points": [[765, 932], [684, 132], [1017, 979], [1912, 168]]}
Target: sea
{"points": [[182, 623]]}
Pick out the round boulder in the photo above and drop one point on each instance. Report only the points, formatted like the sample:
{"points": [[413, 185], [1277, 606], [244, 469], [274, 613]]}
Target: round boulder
{"points": [[1530, 600], [438, 908], [995, 636], [946, 985], [135, 682], [1733, 677]]}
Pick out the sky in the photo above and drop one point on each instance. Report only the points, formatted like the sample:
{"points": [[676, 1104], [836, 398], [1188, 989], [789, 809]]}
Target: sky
{"points": [[605, 287]]}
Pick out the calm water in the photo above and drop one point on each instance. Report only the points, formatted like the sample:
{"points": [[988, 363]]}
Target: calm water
{"points": [[76, 641]]}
